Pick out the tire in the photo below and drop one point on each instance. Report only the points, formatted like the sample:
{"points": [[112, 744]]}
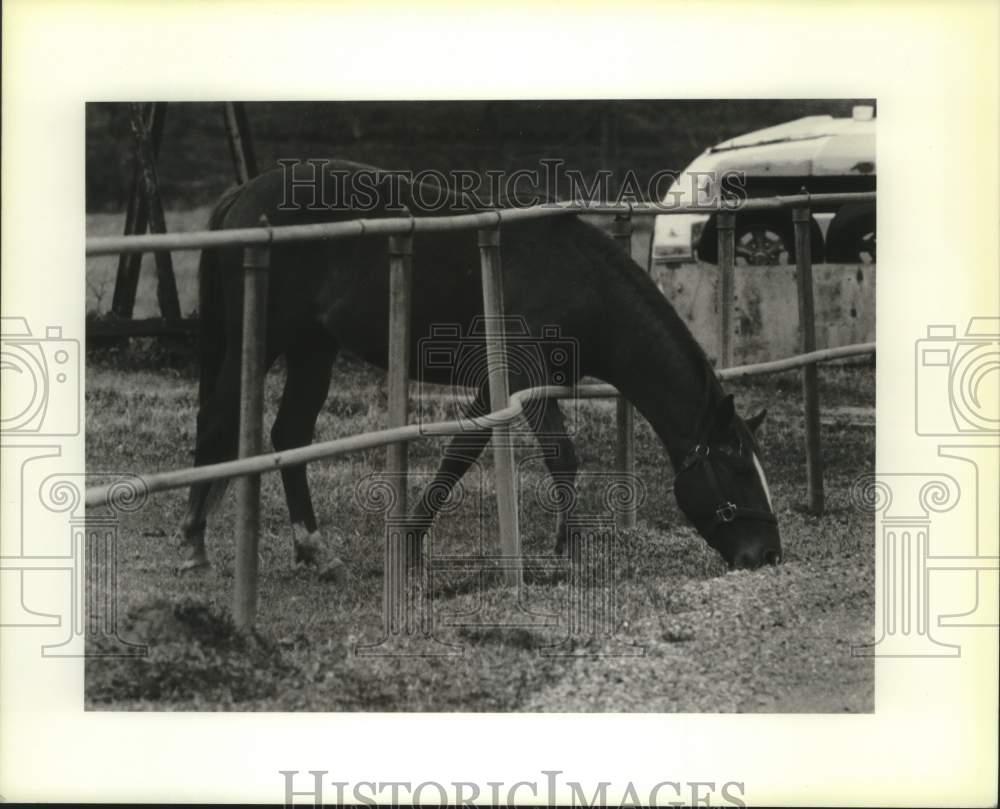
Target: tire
{"points": [[851, 238], [760, 240], [764, 243]]}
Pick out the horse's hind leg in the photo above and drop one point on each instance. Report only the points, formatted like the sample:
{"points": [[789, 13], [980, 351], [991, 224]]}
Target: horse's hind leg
{"points": [[546, 420], [462, 451], [216, 441], [203, 499], [307, 383]]}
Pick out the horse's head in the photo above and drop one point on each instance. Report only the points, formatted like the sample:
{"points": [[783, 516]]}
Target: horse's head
{"points": [[720, 487]]}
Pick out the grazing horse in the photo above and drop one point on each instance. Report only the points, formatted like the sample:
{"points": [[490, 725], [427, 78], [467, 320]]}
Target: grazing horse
{"points": [[561, 272]]}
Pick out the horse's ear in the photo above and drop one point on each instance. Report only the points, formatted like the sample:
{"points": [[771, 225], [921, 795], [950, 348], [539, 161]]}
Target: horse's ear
{"points": [[725, 412], [755, 421]]}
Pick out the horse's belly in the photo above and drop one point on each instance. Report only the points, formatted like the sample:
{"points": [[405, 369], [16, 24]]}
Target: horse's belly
{"points": [[447, 328]]}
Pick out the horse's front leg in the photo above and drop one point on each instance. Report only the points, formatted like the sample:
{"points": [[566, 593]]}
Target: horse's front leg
{"points": [[546, 420], [462, 452]]}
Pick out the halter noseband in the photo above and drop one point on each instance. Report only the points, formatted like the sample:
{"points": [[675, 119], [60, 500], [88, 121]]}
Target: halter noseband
{"points": [[726, 511]]}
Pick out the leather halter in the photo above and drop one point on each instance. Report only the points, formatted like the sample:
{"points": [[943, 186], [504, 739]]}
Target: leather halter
{"points": [[726, 510], [699, 457]]}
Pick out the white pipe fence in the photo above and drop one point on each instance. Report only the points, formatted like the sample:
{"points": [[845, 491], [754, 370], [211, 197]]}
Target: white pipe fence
{"points": [[251, 463]]}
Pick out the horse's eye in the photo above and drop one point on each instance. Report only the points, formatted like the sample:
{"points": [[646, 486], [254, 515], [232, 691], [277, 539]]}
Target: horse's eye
{"points": [[731, 449]]}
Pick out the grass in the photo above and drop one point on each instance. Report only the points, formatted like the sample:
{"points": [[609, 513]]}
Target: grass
{"points": [[772, 640], [101, 271]]}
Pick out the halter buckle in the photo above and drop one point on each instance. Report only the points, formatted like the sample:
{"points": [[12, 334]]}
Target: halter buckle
{"points": [[726, 512]]}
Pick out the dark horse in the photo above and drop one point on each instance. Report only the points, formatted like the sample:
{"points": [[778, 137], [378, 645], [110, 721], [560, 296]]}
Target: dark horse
{"points": [[558, 271]]}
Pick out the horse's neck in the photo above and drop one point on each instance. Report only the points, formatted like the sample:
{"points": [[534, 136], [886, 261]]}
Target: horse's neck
{"points": [[660, 369]]}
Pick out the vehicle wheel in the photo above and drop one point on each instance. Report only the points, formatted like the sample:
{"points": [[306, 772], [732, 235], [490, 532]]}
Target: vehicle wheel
{"points": [[760, 240], [855, 244], [763, 244]]}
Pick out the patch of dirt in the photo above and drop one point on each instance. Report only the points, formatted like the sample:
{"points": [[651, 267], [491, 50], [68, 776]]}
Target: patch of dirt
{"points": [[193, 652], [776, 640]]}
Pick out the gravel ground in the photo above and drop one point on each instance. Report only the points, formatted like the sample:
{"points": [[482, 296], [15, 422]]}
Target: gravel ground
{"points": [[774, 640]]}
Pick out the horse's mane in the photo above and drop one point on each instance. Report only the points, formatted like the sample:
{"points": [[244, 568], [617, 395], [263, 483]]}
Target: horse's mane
{"points": [[587, 238], [594, 240]]}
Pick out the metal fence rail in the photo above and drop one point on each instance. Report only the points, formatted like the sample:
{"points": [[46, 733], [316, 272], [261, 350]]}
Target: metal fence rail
{"points": [[398, 225], [256, 243], [97, 496]]}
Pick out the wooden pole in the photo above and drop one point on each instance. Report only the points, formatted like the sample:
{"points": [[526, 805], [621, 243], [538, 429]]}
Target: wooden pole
{"points": [[609, 143], [726, 226], [136, 220], [400, 287], [496, 357], [246, 139], [802, 218], [166, 284], [240, 144], [625, 457], [256, 262]]}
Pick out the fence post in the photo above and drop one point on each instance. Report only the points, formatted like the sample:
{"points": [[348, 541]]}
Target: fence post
{"points": [[256, 262], [400, 286], [166, 283], [726, 226], [136, 219], [240, 144], [802, 217], [621, 230], [496, 358]]}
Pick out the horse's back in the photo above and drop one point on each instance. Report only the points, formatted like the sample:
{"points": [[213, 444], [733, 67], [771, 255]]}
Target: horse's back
{"points": [[553, 272]]}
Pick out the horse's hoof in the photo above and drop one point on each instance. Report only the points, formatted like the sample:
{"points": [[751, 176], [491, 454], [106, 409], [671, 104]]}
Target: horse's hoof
{"points": [[196, 562], [193, 548], [334, 572], [312, 551], [307, 553]]}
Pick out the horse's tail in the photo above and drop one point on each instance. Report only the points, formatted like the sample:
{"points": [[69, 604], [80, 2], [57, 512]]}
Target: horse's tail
{"points": [[211, 303]]}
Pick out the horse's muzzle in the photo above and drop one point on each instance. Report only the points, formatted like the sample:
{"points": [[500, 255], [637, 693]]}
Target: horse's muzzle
{"points": [[752, 558]]}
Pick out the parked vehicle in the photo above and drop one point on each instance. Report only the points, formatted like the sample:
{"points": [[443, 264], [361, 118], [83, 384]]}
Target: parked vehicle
{"points": [[819, 153]]}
